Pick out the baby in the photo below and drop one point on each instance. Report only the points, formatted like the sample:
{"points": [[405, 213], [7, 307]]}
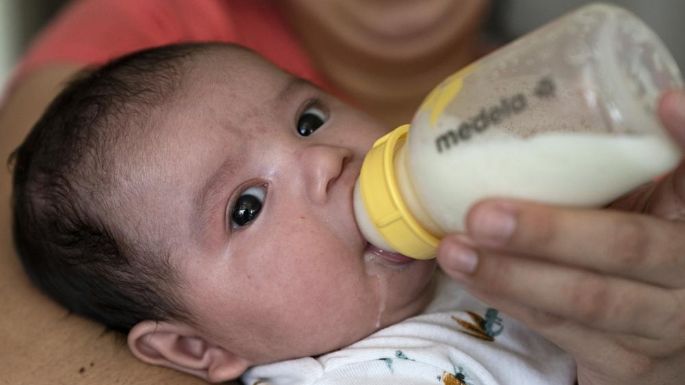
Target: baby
{"points": [[200, 199]]}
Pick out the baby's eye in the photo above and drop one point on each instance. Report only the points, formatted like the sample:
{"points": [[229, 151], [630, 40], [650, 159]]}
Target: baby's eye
{"points": [[247, 206], [310, 120]]}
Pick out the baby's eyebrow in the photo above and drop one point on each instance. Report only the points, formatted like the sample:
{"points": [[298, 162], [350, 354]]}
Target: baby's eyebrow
{"points": [[206, 197], [291, 86]]}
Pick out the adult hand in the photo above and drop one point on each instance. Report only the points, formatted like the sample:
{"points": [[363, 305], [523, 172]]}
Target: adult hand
{"points": [[607, 286]]}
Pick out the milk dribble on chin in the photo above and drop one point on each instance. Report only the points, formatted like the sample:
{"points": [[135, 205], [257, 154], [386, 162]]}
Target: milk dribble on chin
{"points": [[565, 115]]}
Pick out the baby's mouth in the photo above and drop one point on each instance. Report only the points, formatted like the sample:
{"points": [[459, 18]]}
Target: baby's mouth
{"points": [[389, 258]]}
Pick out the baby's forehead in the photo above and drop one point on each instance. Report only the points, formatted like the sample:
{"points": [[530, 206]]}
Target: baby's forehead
{"points": [[230, 85], [234, 64], [222, 88]]}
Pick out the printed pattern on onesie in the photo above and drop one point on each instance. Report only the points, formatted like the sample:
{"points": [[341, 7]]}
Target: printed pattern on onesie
{"points": [[458, 340]]}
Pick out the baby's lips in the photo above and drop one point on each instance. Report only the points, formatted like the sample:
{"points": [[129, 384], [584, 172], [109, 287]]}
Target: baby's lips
{"points": [[389, 256]]}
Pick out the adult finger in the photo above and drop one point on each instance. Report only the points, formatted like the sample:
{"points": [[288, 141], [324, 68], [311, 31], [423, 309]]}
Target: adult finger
{"points": [[608, 303], [672, 114], [619, 243]]}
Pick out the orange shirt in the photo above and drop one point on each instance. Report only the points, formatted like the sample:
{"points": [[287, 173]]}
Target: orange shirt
{"points": [[90, 32]]}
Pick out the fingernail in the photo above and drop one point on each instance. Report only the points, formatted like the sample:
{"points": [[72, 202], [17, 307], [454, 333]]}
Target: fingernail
{"points": [[680, 101], [672, 113], [459, 257], [494, 224]]}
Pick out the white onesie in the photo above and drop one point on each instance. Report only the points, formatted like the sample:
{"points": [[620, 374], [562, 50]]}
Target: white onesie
{"points": [[458, 340]]}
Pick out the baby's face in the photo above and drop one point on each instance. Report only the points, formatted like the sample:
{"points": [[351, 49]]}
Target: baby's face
{"points": [[260, 218]]}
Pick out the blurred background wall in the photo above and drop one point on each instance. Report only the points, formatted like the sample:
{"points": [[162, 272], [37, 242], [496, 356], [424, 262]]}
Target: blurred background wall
{"points": [[665, 17], [20, 19]]}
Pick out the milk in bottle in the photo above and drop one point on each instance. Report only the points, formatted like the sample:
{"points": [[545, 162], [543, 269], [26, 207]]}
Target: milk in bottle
{"points": [[565, 115]]}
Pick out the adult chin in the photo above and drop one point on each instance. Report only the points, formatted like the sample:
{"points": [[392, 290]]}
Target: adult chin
{"points": [[411, 29], [387, 30]]}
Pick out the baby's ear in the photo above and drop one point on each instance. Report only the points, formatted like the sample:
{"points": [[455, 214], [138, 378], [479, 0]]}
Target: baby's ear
{"points": [[179, 347]]}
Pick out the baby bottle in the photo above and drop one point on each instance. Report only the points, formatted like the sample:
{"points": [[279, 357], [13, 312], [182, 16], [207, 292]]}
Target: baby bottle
{"points": [[565, 115]]}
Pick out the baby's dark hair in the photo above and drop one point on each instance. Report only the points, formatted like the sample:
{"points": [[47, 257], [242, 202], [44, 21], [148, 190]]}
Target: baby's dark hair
{"points": [[63, 177]]}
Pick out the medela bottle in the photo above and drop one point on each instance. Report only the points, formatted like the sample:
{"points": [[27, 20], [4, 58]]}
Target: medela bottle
{"points": [[565, 115]]}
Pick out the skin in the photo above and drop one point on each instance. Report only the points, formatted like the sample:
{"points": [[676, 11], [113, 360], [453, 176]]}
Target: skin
{"points": [[385, 56], [297, 280], [390, 89]]}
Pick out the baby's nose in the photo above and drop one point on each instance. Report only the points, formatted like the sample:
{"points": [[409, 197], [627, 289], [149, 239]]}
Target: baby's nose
{"points": [[323, 166]]}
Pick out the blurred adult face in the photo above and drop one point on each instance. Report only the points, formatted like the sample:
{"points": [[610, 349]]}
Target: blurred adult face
{"points": [[389, 29]]}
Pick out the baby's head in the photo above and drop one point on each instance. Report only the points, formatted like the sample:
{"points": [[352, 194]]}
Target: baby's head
{"points": [[200, 199]]}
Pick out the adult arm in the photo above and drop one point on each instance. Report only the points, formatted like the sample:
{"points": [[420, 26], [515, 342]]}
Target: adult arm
{"points": [[20, 111], [608, 286]]}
